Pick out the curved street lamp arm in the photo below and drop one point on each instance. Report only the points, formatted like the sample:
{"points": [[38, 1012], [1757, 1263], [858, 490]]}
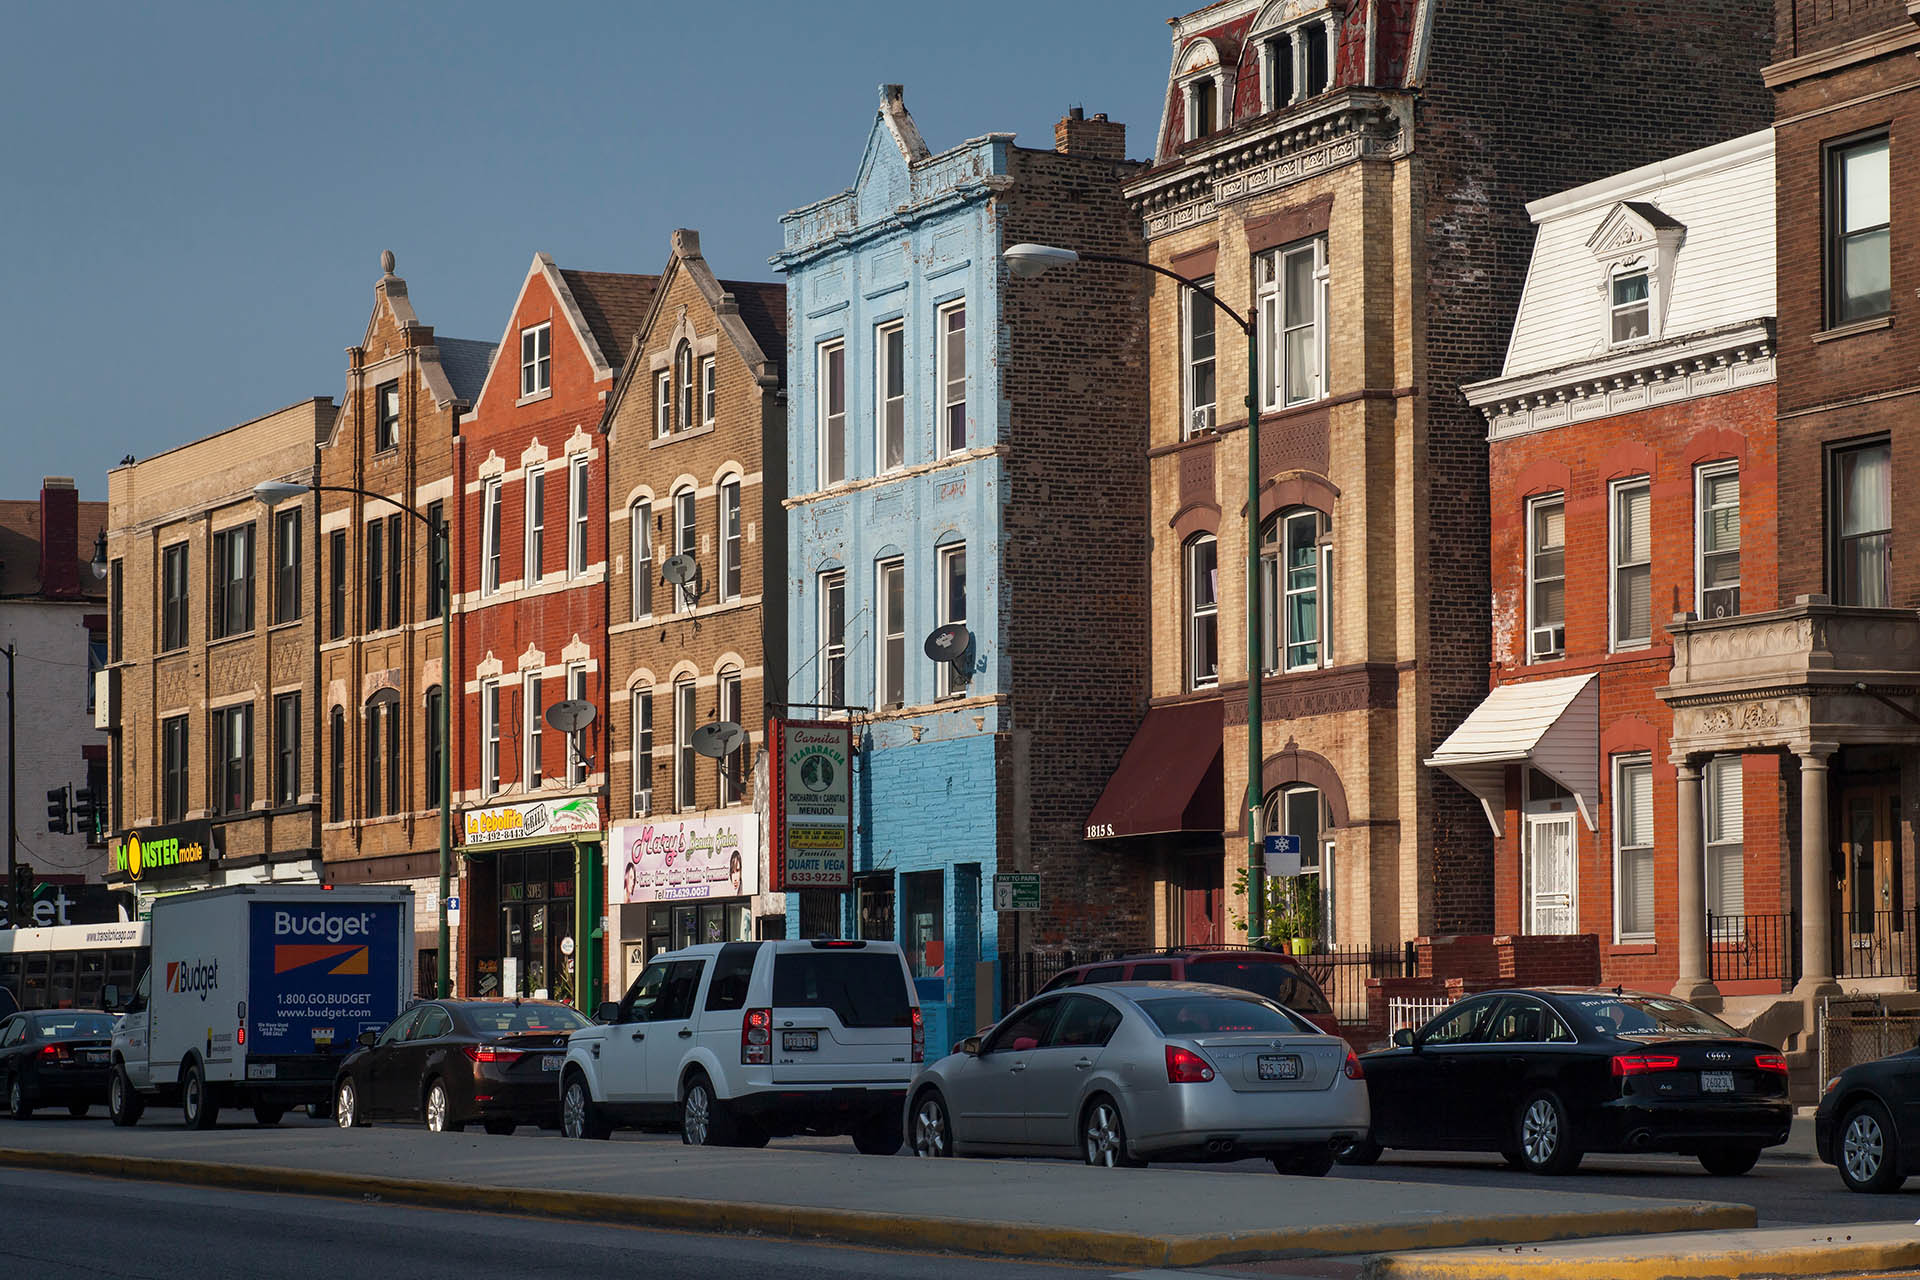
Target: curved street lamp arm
{"points": [[1244, 323], [376, 497]]}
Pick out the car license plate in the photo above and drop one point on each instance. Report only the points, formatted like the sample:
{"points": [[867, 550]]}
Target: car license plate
{"points": [[551, 1061], [1716, 1082], [97, 1057], [1279, 1066], [808, 1041], [263, 1071]]}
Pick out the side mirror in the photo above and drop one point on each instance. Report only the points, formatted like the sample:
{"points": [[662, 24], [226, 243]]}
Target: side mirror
{"points": [[1403, 1038], [607, 1013], [366, 1039], [970, 1046]]}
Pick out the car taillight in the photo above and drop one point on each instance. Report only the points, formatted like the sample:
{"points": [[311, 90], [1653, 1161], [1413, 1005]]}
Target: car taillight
{"points": [[1770, 1062], [1184, 1066], [490, 1053], [1352, 1070], [919, 1035], [239, 1035], [1640, 1064], [58, 1051], [756, 1037]]}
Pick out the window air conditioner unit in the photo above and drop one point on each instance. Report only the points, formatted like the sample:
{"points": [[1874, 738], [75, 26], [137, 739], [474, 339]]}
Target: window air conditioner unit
{"points": [[1547, 642], [643, 803], [1200, 422], [1720, 602]]}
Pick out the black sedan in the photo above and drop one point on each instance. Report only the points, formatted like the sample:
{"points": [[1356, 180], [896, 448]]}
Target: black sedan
{"points": [[1545, 1075], [1868, 1123], [454, 1062], [55, 1057]]}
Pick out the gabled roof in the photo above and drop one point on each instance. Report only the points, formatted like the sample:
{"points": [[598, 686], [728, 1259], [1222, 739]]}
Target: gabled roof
{"points": [[614, 305], [763, 308], [465, 362]]}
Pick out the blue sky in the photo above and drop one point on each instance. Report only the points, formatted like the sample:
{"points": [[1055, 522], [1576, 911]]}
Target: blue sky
{"points": [[196, 195]]}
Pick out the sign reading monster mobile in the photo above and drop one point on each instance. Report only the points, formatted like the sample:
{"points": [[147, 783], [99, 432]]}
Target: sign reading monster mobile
{"points": [[811, 832]]}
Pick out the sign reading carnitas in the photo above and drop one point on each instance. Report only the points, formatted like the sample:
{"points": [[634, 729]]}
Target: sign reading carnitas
{"points": [[811, 834]]}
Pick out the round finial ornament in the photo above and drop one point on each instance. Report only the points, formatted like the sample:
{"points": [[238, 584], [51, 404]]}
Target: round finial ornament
{"points": [[386, 261]]}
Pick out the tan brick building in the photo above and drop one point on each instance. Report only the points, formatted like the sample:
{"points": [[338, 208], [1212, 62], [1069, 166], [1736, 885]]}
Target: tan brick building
{"points": [[377, 716], [212, 775], [695, 438]]}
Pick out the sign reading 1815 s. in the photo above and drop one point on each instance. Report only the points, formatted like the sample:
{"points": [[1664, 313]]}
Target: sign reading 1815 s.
{"points": [[1017, 891], [810, 835]]}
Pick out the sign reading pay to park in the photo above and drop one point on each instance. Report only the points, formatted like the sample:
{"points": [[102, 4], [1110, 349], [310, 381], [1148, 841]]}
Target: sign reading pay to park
{"points": [[811, 835]]}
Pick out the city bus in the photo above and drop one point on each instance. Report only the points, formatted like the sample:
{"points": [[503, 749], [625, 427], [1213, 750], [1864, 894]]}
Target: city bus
{"points": [[73, 966]]}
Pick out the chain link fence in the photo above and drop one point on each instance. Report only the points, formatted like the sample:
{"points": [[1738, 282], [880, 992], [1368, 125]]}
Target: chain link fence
{"points": [[1856, 1029]]}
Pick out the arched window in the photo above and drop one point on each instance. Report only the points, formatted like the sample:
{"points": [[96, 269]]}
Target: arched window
{"points": [[731, 769], [1305, 901], [337, 766], [1295, 565], [1202, 556], [683, 382], [383, 754], [640, 560]]}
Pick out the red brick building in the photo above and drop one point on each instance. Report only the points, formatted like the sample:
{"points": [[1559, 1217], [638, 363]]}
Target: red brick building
{"points": [[530, 575], [1632, 486]]}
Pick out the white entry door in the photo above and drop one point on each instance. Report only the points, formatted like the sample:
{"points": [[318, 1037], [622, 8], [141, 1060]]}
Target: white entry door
{"points": [[1550, 873]]}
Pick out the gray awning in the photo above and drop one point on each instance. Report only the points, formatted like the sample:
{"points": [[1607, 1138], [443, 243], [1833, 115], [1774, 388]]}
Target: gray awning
{"points": [[1549, 725]]}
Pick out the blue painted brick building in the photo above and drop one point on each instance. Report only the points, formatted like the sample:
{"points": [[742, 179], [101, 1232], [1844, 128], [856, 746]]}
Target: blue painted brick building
{"points": [[948, 467]]}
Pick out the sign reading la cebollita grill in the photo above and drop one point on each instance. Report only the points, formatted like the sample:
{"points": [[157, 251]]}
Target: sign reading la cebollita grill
{"points": [[171, 852], [810, 837], [566, 816]]}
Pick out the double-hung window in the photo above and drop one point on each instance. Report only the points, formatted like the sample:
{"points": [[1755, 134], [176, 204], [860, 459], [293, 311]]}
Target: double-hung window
{"points": [[640, 536], [1860, 535], [286, 565], [383, 755], [173, 597], [833, 638], [731, 768], [490, 564], [536, 359], [1202, 556], [536, 523], [1632, 568], [173, 769], [1546, 578], [1725, 813], [436, 744], [663, 403], [1859, 223], [707, 390], [1633, 847], [531, 706], [642, 752], [576, 754], [890, 655], [396, 539], [686, 711], [386, 417], [683, 375], [337, 584], [287, 733], [490, 736], [232, 788], [1718, 570], [437, 566], [890, 394], [337, 766], [1198, 333], [686, 534], [1630, 312], [577, 513], [951, 589], [1291, 290], [833, 412], [233, 581], [951, 325], [730, 538], [376, 572], [1292, 590]]}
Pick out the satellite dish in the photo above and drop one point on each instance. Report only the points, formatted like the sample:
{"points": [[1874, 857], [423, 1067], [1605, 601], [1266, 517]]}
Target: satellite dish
{"points": [[680, 570], [949, 643], [570, 716], [718, 740]]}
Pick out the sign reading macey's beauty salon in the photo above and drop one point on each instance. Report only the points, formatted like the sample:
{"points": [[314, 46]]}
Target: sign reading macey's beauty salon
{"points": [[686, 860]]}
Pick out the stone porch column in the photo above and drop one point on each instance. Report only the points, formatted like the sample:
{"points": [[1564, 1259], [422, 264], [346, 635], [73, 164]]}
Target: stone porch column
{"points": [[1694, 984], [1816, 878]]}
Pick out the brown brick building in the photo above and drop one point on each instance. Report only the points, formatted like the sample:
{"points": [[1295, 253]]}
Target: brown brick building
{"points": [[377, 714], [1354, 176], [695, 443], [214, 657]]}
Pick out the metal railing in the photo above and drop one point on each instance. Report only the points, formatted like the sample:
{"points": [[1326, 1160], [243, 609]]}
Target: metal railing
{"points": [[1754, 948], [1342, 972], [1875, 944], [1413, 1012]]}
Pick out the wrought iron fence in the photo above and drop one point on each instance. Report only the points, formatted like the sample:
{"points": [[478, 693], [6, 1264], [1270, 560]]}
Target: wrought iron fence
{"points": [[1875, 944], [1754, 948]]}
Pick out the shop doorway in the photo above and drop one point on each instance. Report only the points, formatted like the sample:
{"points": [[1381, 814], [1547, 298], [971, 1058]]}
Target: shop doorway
{"points": [[1874, 923], [536, 923], [1202, 882]]}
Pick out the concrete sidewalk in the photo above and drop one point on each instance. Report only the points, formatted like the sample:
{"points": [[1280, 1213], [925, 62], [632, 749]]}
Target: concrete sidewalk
{"points": [[1700, 1255], [1142, 1218]]}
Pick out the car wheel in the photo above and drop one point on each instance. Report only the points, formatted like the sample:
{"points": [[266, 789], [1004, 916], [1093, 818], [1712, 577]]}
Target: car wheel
{"points": [[197, 1106], [346, 1104], [268, 1114], [438, 1109], [17, 1105], [1361, 1151], [1546, 1135], [1729, 1162], [1305, 1162], [704, 1120], [123, 1104], [878, 1136], [1104, 1136], [579, 1118], [932, 1131], [1867, 1158]]}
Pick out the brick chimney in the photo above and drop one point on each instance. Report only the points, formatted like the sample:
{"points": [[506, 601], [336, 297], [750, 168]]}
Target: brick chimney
{"points": [[59, 537], [1097, 139]]}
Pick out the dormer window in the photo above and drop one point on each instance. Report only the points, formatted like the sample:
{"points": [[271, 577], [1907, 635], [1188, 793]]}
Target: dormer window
{"points": [[1631, 306], [1206, 108], [1206, 90], [1635, 245], [1297, 61]]}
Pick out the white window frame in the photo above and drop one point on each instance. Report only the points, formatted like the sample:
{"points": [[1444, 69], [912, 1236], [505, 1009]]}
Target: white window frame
{"points": [[1841, 238], [686, 710], [686, 537], [1716, 841], [1702, 477], [949, 683], [576, 758], [1617, 309], [1303, 516], [1617, 569], [536, 359], [640, 570], [490, 737], [729, 770], [536, 522], [707, 390], [888, 665], [1271, 300], [1200, 415], [889, 411], [833, 646], [663, 404], [579, 511], [1193, 611], [727, 528], [531, 773], [949, 380], [1534, 580], [491, 499], [386, 426], [683, 376], [832, 424], [1621, 933], [640, 707]]}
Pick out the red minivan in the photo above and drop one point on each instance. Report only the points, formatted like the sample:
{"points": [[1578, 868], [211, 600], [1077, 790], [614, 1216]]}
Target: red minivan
{"points": [[1272, 974]]}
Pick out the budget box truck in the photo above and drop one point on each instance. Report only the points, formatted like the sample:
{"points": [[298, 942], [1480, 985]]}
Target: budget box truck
{"points": [[255, 993]]}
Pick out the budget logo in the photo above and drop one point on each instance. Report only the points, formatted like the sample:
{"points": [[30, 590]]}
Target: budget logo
{"points": [[201, 978], [321, 957]]}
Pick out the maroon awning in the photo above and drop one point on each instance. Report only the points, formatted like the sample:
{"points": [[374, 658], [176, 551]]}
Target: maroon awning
{"points": [[1169, 779]]}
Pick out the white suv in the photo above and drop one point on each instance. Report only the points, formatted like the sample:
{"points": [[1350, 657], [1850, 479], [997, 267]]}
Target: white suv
{"points": [[737, 1042]]}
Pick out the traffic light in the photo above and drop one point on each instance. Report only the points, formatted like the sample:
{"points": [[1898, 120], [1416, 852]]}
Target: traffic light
{"points": [[86, 814], [22, 889], [59, 815]]}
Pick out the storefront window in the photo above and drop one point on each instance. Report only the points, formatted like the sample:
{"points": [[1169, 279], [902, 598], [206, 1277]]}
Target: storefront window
{"points": [[926, 939], [876, 907], [536, 923]]}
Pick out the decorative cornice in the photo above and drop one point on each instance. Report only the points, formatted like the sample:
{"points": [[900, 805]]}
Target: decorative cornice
{"points": [[1841, 56]]}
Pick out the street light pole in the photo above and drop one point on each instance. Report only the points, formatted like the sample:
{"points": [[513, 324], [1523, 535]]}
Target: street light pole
{"points": [[272, 492], [1034, 259]]}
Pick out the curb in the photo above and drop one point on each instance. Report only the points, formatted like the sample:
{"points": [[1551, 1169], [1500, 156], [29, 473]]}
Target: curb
{"points": [[1815, 1256], [906, 1231]]}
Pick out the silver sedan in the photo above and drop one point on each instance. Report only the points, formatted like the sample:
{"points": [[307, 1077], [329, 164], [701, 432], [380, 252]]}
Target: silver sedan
{"points": [[1129, 1072]]}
